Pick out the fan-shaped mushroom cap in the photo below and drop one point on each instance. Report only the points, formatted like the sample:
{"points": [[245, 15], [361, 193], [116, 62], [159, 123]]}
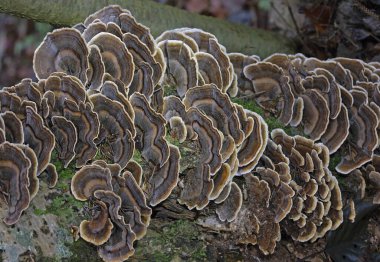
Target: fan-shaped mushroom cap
{"points": [[271, 85], [209, 139], [89, 179], [181, 68], [297, 112], [208, 43], [364, 137], [246, 123], [87, 124], [27, 90], [197, 196], [32, 172], [150, 131], [38, 137], [107, 14], [254, 145], [66, 137], [209, 69], [355, 66], [334, 94], [337, 131], [14, 166], [268, 233], [120, 244], [63, 50], [113, 202], [142, 80], [133, 200], [164, 179], [110, 90], [99, 229], [11, 102], [141, 53], [178, 129], [12, 127], [117, 59], [229, 209], [220, 180], [52, 175], [116, 129], [58, 88], [315, 114], [177, 35], [136, 170], [218, 107], [342, 76], [128, 24], [96, 70], [239, 61], [98, 27], [316, 189], [172, 107]]}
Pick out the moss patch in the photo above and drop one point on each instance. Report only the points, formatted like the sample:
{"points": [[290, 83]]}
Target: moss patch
{"points": [[137, 157], [60, 201], [171, 241], [83, 251], [271, 121], [172, 140], [170, 90], [334, 161]]}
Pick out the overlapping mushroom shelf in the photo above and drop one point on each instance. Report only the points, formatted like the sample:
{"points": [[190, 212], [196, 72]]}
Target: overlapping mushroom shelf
{"points": [[334, 101], [140, 117]]}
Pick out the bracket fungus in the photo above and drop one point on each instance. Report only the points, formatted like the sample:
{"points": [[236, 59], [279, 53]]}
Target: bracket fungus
{"points": [[63, 50], [218, 107], [116, 133], [14, 180], [107, 89], [181, 66], [12, 127], [271, 89], [117, 60], [99, 229], [314, 186], [164, 179], [230, 208], [150, 131]]}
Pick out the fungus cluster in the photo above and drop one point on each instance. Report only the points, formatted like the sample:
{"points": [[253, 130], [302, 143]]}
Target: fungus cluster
{"points": [[367, 181], [107, 89], [327, 100], [26, 144], [119, 213], [291, 189]]}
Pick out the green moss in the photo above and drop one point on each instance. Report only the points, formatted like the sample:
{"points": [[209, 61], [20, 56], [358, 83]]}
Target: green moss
{"points": [[249, 104], [334, 161], [169, 241], [64, 206], [137, 156], [82, 251], [172, 140], [271, 121], [61, 202], [170, 90]]}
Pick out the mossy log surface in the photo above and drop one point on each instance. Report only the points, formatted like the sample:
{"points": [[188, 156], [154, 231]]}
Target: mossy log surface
{"points": [[158, 17]]}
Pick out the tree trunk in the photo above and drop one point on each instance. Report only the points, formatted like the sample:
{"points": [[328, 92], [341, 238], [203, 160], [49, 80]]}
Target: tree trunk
{"points": [[158, 17]]}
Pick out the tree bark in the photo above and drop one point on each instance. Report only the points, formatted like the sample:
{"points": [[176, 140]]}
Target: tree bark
{"points": [[158, 17]]}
